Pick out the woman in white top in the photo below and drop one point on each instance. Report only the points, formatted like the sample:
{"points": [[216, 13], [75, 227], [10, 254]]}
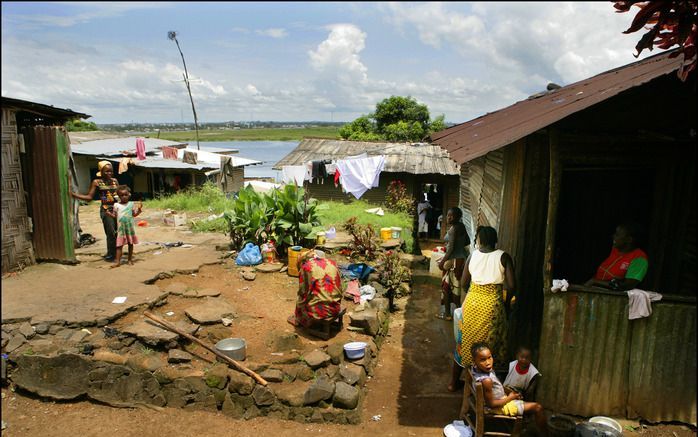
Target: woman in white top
{"points": [[488, 271]]}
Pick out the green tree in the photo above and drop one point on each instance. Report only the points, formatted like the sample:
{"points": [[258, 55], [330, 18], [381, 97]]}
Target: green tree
{"points": [[396, 118], [80, 126]]}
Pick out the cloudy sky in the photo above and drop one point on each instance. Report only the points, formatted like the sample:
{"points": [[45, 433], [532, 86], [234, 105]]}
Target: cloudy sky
{"points": [[301, 61]]}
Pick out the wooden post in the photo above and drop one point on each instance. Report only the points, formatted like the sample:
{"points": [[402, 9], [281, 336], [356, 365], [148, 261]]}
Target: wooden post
{"points": [[553, 197]]}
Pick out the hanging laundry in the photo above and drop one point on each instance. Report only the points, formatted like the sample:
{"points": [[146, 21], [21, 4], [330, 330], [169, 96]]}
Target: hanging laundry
{"points": [[123, 164], [189, 157], [319, 170], [140, 148], [336, 176], [358, 175], [294, 174], [169, 152], [331, 168]]}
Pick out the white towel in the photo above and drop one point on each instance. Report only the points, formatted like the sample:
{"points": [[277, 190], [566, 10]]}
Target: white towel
{"points": [[559, 285], [639, 304], [293, 174], [358, 175]]}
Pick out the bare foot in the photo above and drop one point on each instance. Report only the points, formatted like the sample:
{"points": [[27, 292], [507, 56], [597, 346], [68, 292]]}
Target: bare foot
{"points": [[292, 320], [115, 265], [130, 262]]}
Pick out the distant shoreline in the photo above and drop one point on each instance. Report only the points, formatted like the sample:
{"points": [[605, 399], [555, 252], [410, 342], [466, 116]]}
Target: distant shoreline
{"points": [[262, 134]]}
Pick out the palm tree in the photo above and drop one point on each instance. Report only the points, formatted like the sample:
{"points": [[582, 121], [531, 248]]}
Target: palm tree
{"points": [[172, 35]]}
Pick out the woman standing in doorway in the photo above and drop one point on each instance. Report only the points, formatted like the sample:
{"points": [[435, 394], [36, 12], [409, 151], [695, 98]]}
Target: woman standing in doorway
{"points": [[107, 185], [488, 271]]}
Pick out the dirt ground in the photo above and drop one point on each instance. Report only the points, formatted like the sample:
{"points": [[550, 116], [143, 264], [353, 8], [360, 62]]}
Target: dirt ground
{"points": [[406, 395]]}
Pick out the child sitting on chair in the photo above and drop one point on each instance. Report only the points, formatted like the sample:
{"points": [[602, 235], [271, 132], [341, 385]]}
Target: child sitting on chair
{"points": [[497, 399], [523, 376]]}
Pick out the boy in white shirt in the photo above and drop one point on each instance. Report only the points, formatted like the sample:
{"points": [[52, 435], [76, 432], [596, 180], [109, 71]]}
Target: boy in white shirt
{"points": [[523, 376]]}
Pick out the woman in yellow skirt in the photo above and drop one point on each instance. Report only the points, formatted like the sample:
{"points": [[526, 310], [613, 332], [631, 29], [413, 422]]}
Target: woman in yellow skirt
{"points": [[488, 271]]}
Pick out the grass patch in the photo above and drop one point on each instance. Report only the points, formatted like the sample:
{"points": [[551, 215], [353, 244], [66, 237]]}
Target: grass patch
{"points": [[264, 134], [336, 213], [207, 198]]}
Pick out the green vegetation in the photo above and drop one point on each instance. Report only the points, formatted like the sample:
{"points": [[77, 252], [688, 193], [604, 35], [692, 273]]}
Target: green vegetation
{"points": [[207, 198], [80, 126], [337, 213], [263, 134], [395, 119]]}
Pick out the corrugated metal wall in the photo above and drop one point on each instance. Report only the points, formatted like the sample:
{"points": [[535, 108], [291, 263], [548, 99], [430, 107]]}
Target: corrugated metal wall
{"points": [[481, 190], [595, 361], [51, 208], [17, 248]]}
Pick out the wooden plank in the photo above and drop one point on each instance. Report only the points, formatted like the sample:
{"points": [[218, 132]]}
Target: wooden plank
{"points": [[553, 197]]}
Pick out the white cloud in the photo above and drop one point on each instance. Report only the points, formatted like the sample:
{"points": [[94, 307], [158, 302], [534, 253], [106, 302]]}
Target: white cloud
{"points": [[274, 32], [92, 11], [338, 55]]}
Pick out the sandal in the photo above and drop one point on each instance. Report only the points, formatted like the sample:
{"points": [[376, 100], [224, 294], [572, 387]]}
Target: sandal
{"points": [[443, 316]]}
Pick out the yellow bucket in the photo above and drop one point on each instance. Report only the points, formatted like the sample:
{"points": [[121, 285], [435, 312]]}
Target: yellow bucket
{"points": [[386, 234], [294, 253], [320, 238]]}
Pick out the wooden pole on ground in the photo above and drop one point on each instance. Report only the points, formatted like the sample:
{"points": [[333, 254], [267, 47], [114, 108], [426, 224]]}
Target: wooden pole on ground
{"points": [[229, 360]]}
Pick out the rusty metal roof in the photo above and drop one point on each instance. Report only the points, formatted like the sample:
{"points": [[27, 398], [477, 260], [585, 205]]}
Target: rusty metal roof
{"points": [[414, 158], [477, 137], [41, 109]]}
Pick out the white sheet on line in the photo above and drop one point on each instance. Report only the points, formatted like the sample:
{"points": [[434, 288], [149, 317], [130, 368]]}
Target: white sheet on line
{"points": [[293, 174], [358, 175]]}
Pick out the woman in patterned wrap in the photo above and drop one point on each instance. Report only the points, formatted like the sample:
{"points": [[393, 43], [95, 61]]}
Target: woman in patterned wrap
{"points": [[319, 290], [488, 271]]}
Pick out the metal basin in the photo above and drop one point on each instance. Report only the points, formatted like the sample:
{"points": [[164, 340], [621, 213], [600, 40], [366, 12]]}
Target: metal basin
{"points": [[235, 348]]}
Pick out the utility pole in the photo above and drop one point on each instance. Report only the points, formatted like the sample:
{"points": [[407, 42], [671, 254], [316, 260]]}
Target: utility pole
{"points": [[172, 35]]}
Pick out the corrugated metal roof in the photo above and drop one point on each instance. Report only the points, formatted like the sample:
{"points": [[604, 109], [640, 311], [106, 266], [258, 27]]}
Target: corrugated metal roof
{"points": [[214, 159], [160, 162], [414, 158], [115, 146], [477, 137], [41, 109]]}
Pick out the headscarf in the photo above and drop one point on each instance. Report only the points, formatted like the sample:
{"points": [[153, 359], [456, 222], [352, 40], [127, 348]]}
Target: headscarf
{"points": [[100, 166]]}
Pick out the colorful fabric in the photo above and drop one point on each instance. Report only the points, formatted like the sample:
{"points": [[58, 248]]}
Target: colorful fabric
{"points": [[484, 320], [169, 152], [126, 229], [319, 291], [107, 192], [140, 149], [100, 166], [619, 265]]}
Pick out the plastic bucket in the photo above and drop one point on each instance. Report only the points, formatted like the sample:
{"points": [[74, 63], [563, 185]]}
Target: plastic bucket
{"points": [[320, 238], [294, 253], [560, 425], [386, 234], [396, 232]]}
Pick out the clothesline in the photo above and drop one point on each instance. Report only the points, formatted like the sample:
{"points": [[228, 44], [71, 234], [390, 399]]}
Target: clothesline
{"points": [[356, 174]]}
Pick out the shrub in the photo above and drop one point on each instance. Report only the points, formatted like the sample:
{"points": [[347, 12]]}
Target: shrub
{"points": [[364, 242], [392, 274], [398, 199]]}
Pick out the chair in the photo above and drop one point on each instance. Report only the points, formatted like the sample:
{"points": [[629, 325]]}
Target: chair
{"points": [[325, 326], [473, 412]]}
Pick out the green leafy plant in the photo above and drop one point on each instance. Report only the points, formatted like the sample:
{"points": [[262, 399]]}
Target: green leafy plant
{"points": [[398, 199], [364, 244], [392, 274]]}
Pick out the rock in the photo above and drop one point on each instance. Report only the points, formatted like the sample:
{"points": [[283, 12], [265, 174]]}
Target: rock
{"points": [[178, 356], [208, 292], [109, 357], [64, 334], [286, 358], [367, 319], [316, 417], [373, 347], [167, 374], [118, 385], [285, 342], [249, 276], [269, 267], [379, 303], [61, 377], [27, 330], [380, 289], [150, 333], [177, 288], [305, 373], [240, 383], [320, 390], [211, 311], [336, 352], [216, 333], [232, 409], [217, 376], [251, 413], [15, 342], [149, 362], [352, 374], [317, 358], [115, 344], [292, 394], [365, 362], [345, 396], [78, 336], [273, 375], [332, 372], [263, 395]]}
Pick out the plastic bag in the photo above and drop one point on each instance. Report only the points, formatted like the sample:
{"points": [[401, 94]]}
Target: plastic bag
{"points": [[249, 256]]}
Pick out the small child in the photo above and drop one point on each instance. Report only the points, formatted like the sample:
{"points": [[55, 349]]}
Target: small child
{"points": [[523, 376], [496, 397], [124, 212]]}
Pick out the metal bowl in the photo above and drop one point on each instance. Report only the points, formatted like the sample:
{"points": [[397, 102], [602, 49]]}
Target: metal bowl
{"points": [[235, 348]]}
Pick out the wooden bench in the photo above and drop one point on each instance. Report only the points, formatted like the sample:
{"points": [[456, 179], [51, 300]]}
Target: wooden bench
{"points": [[323, 328], [473, 412]]}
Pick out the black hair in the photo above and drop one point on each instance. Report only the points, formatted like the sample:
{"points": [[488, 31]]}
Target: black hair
{"points": [[635, 230], [123, 188], [486, 236], [457, 213], [522, 348], [477, 347]]}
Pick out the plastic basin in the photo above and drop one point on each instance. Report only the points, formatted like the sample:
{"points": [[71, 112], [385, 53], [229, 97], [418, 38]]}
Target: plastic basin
{"points": [[355, 350]]}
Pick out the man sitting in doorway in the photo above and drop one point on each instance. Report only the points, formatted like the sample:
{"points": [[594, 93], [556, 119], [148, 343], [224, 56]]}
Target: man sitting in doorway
{"points": [[627, 264]]}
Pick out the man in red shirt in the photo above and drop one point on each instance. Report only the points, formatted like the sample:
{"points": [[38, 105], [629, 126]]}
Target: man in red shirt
{"points": [[627, 264]]}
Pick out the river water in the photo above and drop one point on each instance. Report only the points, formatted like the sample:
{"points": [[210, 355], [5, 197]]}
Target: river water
{"points": [[269, 152]]}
